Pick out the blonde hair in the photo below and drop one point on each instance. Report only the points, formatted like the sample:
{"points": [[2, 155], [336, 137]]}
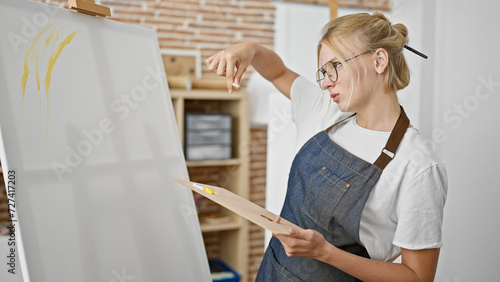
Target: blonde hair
{"points": [[368, 33]]}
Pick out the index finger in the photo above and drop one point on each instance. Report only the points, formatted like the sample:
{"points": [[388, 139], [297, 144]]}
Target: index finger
{"points": [[277, 219], [230, 65], [209, 60]]}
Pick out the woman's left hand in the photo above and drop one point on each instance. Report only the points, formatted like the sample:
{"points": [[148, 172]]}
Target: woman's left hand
{"points": [[303, 243]]}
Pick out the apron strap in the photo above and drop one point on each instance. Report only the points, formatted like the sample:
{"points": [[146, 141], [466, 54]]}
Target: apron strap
{"points": [[392, 144], [395, 138], [329, 128]]}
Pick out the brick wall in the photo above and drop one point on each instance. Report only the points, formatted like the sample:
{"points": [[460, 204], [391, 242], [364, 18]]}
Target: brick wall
{"points": [[206, 26], [4, 205], [258, 160]]}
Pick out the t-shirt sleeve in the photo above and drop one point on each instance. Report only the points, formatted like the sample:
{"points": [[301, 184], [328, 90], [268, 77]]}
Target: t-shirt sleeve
{"points": [[306, 98], [420, 210], [312, 109]]}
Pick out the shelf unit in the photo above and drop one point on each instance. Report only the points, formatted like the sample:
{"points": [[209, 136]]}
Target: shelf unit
{"points": [[233, 174]]}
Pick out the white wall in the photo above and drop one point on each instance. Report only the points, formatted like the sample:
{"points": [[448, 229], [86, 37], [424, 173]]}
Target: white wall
{"points": [[466, 109], [453, 99]]}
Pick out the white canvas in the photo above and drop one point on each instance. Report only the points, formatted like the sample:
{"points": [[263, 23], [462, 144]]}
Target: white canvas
{"points": [[93, 146]]}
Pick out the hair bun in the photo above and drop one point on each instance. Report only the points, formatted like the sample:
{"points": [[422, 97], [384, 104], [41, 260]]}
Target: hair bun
{"points": [[381, 16], [402, 30], [399, 28]]}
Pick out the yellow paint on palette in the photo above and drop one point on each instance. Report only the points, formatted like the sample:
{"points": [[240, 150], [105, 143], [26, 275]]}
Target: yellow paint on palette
{"points": [[206, 189], [210, 191], [48, 38]]}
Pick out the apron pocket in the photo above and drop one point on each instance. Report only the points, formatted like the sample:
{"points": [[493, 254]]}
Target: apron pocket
{"points": [[282, 274], [324, 191]]}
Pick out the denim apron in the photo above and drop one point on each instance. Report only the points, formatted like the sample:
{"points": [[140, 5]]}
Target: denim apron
{"points": [[327, 191]]}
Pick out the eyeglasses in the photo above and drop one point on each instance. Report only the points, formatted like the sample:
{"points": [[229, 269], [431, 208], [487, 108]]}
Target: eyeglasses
{"points": [[330, 70]]}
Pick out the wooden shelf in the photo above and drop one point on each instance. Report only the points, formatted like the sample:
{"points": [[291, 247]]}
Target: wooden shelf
{"points": [[214, 163], [232, 243], [211, 227], [205, 94]]}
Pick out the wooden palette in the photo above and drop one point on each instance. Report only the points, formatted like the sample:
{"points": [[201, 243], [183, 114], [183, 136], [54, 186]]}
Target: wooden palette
{"points": [[241, 206]]}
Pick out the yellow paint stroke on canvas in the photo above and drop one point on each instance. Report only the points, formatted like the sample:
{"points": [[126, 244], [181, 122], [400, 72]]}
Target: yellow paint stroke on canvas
{"points": [[54, 55], [33, 52], [47, 39]]}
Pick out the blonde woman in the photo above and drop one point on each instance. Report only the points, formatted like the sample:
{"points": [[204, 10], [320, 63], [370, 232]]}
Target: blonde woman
{"points": [[366, 189]]}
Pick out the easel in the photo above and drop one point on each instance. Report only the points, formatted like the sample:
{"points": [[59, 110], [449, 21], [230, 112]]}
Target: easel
{"points": [[334, 6], [89, 7]]}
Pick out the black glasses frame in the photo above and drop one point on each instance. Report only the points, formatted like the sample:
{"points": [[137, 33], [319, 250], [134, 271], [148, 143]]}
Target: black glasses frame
{"points": [[320, 74]]}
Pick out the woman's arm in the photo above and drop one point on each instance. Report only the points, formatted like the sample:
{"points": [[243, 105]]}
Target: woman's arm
{"points": [[416, 265], [233, 62]]}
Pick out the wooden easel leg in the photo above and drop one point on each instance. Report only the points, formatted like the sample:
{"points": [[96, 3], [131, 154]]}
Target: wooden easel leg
{"points": [[334, 5]]}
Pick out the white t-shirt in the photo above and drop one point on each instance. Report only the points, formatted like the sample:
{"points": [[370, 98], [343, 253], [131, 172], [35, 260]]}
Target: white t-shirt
{"points": [[405, 208]]}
